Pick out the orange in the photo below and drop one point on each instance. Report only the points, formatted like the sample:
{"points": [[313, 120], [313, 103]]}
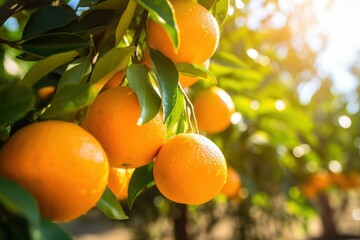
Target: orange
{"points": [[112, 119], [198, 33], [233, 183], [190, 169], [317, 182], [115, 80], [213, 109], [119, 179], [60, 164], [46, 93]]}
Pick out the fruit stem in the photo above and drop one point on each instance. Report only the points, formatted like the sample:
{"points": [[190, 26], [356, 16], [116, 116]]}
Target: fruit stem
{"points": [[192, 117]]}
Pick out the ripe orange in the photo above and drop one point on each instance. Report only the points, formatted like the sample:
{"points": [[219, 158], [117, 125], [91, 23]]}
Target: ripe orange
{"points": [[60, 164], [213, 109], [317, 182], [46, 93], [119, 179], [112, 119], [115, 80], [233, 183], [198, 31], [190, 169]]}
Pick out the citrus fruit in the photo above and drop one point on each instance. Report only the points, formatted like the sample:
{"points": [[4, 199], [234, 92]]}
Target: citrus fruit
{"points": [[60, 164], [233, 183], [46, 93], [115, 80], [316, 183], [112, 119], [198, 33], [190, 169], [119, 179], [213, 109]]}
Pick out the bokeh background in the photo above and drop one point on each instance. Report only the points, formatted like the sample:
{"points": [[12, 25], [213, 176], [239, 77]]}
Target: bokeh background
{"points": [[292, 67]]}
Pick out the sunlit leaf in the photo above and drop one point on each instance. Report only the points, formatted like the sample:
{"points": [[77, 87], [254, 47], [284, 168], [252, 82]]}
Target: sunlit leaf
{"points": [[69, 99], [166, 76], [47, 18], [15, 102], [125, 21], [206, 3], [178, 110], [76, 72], [221, 9], [138, 77], [110, 206], [141, 179], [161, 12], [111, 62], [18, 201], [194, 70], [45, 66]]}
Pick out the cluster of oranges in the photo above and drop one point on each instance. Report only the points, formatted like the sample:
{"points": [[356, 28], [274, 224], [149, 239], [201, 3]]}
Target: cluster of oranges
{"points": [[67, 167]]}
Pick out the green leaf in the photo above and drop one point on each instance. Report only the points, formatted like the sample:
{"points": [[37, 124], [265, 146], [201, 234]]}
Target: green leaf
{"points": [[47, 18], [69, 99], [87, 3], [18, 201], [167, 77], [194, 70], [111, 62], [161, 12], [49, 231], [178, 110], [221, 8], [110, 206], [206, 3], [125, 21], [15, 102], [106, 5], [141, 179], [45, 66], [76, 72], [139, 81], [228, 59], [49, 44]]}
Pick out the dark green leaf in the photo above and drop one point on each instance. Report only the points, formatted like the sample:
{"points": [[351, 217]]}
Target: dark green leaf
{"points": [[194, 70], [106, 5], [167, 77], [111, 62], [207, 3], [87, 3], [47, 18], [45, 66], [49, 44], [141, 180], [77, 72], [138, 77], [221, 8], [69, 99], [49, 231], [161, 12], [110, 206], [15, 102], [18, 201]]}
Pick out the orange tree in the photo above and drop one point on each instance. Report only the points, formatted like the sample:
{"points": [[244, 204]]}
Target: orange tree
{"points": [[76, 54], [291, 155]]}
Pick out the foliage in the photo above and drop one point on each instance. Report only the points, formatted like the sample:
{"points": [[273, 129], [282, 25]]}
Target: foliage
{"points": [[276, 142]]}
